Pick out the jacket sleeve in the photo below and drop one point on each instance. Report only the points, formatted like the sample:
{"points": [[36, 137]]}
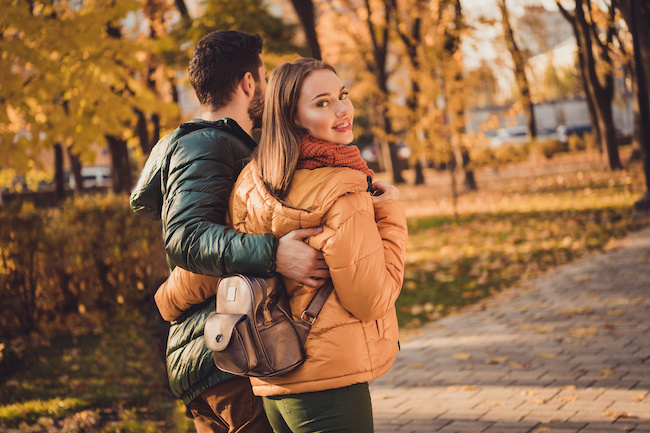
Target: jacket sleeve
{"points": [[200, 176], [365, 253], [181, 291]]}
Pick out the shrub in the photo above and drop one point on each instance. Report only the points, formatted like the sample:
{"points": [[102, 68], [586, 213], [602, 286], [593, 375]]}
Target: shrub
{"points": [[550, 147], [90, 254]]}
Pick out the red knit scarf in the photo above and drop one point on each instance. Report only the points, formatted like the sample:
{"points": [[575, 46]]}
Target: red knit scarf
{"points": [[315, 153]]}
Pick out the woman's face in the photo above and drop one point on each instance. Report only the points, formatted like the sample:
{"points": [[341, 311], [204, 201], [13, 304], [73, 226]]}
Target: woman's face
{"points": [[324, 108]]}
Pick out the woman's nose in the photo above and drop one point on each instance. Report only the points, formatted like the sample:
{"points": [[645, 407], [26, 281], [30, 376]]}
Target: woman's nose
{"points": [[342, 109]]}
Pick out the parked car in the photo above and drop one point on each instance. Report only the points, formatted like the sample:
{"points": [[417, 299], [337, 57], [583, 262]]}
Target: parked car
{"points": [[370, 154], [514, 135], [578, 128], [94, 177], [518, 135]]}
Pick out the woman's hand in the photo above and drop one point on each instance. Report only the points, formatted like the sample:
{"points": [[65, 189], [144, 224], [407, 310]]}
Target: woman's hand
{"points": [[384, 191]]}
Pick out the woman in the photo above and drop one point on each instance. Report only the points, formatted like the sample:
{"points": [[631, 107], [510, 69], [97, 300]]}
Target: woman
{"points": [[305, 174]]}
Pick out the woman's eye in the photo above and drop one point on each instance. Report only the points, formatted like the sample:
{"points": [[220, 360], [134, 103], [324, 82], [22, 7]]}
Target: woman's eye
{"points": [[322, 103], [344, 95]]}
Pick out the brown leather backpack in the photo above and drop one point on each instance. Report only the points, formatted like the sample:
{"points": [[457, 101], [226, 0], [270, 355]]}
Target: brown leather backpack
{"points": [[252, 332]]}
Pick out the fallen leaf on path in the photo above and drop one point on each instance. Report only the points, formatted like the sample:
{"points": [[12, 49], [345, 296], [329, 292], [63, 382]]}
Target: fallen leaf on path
{"points": [[417, 366], [462, 356], [570, 388], [497, 360], [547, 356], [607, 372], [585, 332], [494, 404], [529, 393], [537, 400], [455, 388], [582, 279], [616, 414], [639, 397], [544, 329], [567, 398], [575, 311]]}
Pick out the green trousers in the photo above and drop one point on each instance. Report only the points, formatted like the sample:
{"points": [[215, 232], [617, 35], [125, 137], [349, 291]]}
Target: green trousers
{"points": [[340, 410]]}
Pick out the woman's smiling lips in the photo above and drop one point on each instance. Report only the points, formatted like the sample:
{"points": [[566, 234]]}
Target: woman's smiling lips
{"points": [[343, 127]]}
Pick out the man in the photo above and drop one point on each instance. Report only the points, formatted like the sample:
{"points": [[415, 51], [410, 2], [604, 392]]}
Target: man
{"points": [[187, 183]]}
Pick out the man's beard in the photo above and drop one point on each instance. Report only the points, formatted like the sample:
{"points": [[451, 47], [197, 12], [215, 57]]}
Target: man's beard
{"points": [[256, 108]]}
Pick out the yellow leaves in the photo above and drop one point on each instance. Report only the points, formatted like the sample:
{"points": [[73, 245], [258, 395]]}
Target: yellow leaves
{"points": [[456, 388], [544, 329], [417, 366], [567, 398], [539, 401], [616, 415], [497, 360], [462, 356], [547, 356], [577, 311]]}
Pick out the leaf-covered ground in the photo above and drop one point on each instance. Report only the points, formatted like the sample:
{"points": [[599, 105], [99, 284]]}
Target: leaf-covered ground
{"points": [[522, 220], [109, 376]]}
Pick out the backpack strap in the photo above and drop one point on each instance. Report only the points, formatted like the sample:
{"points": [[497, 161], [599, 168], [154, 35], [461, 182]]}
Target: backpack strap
{"points": [[308, 317]]}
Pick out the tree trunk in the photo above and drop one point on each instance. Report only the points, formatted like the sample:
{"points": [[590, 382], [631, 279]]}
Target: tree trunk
{"points": [[305, 11], [59, 179], [379, 35], [599, 90], [455, 97], [143, 132], [121, 170], [75, 168], [519, 70], [639, 29]]}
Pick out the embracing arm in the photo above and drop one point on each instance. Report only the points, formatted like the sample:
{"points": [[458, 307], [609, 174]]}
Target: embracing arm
{"points": [[183, 288], [198, 180]]}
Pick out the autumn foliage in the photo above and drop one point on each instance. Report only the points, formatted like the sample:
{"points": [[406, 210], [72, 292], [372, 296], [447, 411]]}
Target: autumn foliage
{"points": [[90, 257]]}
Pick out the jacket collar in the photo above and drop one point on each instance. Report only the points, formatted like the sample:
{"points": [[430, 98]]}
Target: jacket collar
{"points": [[224, 124]]}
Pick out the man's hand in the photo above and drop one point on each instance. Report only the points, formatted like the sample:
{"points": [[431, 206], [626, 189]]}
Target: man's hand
{"points": [[297, 260], [384, 191]]}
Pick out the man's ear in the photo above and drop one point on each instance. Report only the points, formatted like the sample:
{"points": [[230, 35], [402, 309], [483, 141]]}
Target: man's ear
{"points": [[248, 84]]}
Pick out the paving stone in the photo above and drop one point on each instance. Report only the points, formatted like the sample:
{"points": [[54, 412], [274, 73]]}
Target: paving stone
{"points": [[551, 368]]}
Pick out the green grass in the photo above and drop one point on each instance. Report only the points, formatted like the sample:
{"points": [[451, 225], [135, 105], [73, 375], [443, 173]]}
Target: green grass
{"points": [[511, 230], [107, 376]]}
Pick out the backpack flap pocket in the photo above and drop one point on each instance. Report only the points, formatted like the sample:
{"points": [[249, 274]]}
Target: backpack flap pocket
{"points": [[219, 329]]}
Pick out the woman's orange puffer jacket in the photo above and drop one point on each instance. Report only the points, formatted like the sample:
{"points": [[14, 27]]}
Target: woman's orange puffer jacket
{"points": [[354, 339]]}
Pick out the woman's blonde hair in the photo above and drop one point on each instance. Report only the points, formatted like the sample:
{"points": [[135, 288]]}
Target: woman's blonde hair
{"points": [[277, 153]]}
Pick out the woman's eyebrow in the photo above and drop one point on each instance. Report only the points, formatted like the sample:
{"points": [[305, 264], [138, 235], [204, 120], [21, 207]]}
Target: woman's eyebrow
{"points": [[321, 95], [327, 94]]}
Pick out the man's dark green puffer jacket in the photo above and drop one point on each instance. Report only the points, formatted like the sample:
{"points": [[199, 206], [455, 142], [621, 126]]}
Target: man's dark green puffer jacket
{"points": [[186, 182]]}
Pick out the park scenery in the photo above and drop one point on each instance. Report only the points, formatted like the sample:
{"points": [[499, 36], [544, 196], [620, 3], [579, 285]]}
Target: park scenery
{"points": [[517, 131]]}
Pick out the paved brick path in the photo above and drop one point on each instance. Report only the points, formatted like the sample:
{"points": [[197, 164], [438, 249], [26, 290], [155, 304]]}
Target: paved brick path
{"points": [[568, 352]]}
